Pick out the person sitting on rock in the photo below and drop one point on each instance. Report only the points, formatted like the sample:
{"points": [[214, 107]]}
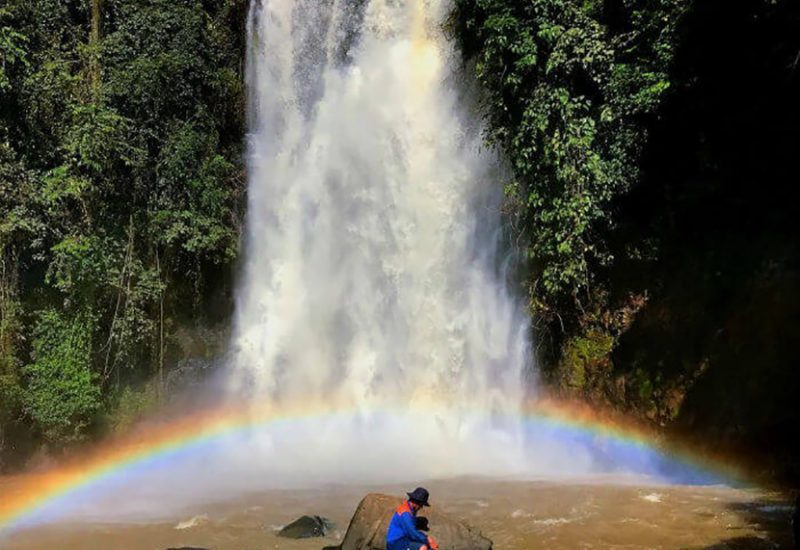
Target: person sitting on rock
{"points": [[403, 533]]}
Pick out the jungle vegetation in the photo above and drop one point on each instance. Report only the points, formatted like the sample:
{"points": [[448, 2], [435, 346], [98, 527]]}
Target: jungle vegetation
{"points": [[121, 184]]}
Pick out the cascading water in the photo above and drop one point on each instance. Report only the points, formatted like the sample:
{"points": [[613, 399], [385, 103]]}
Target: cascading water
{"points": [[373, 217], [373, 276]]}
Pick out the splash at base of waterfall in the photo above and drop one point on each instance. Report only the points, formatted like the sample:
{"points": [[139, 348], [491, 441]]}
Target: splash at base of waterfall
{"points": [[224, 453]]}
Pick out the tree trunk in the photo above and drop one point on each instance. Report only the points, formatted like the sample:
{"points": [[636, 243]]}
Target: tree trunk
{"points": [[9, 308], [160, 332], [95, 34], [2, 446], [122, 295]]}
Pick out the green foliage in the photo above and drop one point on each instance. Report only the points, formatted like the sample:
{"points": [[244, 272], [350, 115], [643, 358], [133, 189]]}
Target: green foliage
{"points": [[132, 406], [10, 388], [567, 88], [584, 358], [12, 50], [47, 95], [62, 394], [79, 266], [194, 203], [120, 194], [16, 228], [99, 141]]}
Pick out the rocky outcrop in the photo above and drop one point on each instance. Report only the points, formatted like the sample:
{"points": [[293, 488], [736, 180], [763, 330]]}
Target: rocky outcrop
{"points": [[307, 527], [367, 530]]}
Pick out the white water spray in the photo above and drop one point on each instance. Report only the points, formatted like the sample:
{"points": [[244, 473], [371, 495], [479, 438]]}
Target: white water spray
{"points": [[372, 277]]}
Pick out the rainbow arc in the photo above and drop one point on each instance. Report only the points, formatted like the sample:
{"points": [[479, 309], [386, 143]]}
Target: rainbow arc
{"points": [[39, 497]]}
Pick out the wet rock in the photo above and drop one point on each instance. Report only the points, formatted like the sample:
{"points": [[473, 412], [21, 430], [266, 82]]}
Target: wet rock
{"points": [[307, 527], [367, 530]]}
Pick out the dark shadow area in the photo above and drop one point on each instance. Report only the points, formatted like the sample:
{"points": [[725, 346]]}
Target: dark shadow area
{"points": [[715, 349], [742, 543], [770, 519]]}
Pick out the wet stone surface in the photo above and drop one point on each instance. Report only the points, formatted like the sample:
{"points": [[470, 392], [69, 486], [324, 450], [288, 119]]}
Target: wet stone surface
{"points": [[307, 527]]}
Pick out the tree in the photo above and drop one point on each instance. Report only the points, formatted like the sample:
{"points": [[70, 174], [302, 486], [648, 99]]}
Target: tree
{"points": [[569, 86], [121, 190], [62, 394]]}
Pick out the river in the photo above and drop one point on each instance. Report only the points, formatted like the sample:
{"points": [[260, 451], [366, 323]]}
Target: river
{"points": [[598, 513]]}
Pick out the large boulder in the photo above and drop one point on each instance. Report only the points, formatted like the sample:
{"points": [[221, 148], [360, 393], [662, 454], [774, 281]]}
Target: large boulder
{"points": [[367, 530], [307, 527]]}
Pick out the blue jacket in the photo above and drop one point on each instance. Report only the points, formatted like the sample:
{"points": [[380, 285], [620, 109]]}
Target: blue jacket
{"points": [[404, 527]]}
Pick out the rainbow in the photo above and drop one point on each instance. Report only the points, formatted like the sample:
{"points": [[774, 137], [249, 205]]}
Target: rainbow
{"points": [[28, 499]]}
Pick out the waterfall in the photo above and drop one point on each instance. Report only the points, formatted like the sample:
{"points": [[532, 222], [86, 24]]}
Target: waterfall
{"points": [[374, 276], [374, 294]]}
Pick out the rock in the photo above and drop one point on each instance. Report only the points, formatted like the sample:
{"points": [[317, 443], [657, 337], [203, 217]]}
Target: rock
{"points": [[307, 527], [367, 530]]}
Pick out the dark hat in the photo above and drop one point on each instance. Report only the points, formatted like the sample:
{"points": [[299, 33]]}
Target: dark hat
{"points": [[419, 495]]}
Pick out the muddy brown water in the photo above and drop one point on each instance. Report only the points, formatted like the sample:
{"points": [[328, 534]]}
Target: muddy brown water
{"points": [[597, 513]]}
